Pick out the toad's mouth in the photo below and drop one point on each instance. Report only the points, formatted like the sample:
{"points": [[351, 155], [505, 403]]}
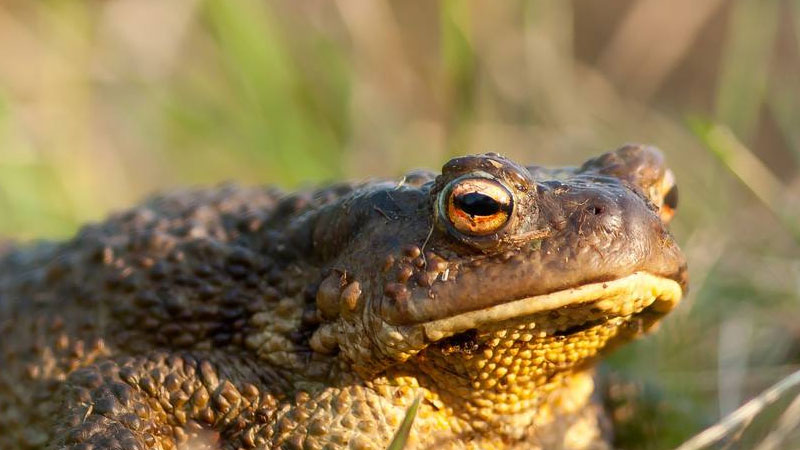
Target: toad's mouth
{"points": [[569, 311]]}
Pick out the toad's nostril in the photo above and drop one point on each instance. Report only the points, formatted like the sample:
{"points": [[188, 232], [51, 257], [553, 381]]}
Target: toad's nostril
{"points": [[596, 210]]}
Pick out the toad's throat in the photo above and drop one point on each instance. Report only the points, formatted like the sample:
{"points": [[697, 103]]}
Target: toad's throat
{"points": [[559, 311], [509, 359]]}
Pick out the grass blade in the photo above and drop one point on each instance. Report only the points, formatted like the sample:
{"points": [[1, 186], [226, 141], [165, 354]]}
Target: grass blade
{"points": [[741, 161], [787, 422], [401, 436], [741, 416], [751, 31]]}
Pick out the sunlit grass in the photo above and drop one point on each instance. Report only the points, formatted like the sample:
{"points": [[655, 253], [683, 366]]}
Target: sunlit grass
{"points": [[400, 439]]}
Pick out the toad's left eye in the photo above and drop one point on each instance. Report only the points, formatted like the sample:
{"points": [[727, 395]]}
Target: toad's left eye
{"points": [[478, 206]]}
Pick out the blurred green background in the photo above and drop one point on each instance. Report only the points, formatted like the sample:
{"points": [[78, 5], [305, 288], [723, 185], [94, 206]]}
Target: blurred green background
{"points": [[103, 102]]}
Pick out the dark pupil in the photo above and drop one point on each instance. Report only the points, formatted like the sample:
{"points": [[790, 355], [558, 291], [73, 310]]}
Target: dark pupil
{"points": [[671, 199], [477, 204]]}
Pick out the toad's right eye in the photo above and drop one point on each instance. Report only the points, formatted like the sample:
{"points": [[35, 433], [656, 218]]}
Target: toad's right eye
{"points": [[669, 199]]}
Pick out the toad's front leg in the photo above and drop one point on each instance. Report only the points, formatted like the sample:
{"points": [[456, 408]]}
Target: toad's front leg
{"points": [[163, 401]]}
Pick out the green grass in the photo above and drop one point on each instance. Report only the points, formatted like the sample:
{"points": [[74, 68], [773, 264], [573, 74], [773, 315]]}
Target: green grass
{"points": [[401, 436]]}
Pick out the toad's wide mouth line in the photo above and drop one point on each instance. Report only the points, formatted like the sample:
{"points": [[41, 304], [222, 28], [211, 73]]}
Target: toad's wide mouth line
{"points": [[623, 296]]}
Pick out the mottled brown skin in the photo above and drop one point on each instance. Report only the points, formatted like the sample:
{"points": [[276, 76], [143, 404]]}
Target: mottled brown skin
{"points": [[251, 318]]}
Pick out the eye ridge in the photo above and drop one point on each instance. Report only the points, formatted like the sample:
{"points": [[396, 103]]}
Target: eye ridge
{"points": [[477, 204]]}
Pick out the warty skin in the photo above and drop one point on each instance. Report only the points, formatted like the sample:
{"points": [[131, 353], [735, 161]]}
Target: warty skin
{"points": [[252, 318]]}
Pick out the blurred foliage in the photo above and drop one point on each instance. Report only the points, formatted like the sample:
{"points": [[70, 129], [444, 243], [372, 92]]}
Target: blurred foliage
{"points": [[103, 102]]}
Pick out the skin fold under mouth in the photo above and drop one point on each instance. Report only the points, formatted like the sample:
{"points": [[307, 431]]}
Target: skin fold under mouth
{"points": [[505, 360], [625, 296]]}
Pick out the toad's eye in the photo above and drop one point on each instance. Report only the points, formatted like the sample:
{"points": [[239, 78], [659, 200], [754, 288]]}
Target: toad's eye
{"points": [[478, 206], [669, 199]]}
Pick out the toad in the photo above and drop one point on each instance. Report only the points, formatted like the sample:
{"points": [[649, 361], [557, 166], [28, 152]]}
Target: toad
{"points": [[235, 317]]}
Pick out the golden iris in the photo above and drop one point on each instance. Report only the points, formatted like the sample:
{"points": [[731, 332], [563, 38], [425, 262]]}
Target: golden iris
{"points": [[478, 206]]}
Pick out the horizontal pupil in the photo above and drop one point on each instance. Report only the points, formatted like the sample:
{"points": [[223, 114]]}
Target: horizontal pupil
{"points": [[476, 204]]}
